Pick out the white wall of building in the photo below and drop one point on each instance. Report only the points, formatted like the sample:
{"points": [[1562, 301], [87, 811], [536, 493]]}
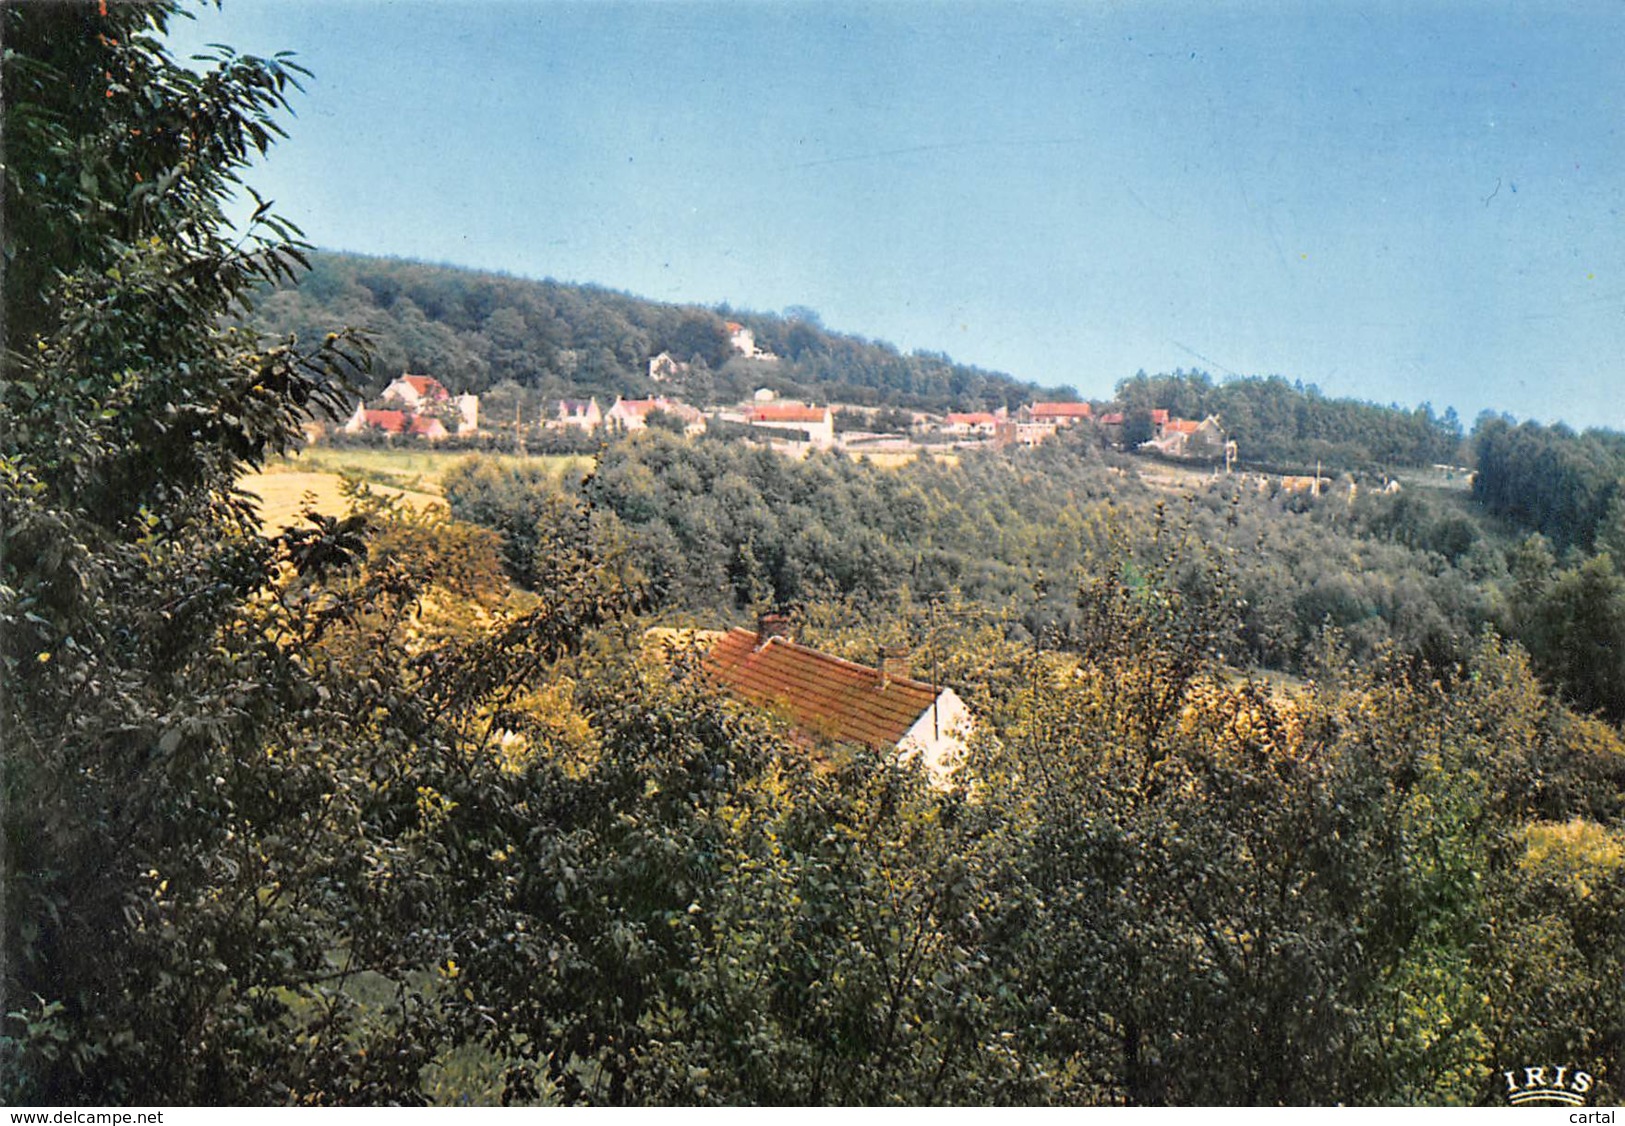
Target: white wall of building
{"points": [[938, 738]]}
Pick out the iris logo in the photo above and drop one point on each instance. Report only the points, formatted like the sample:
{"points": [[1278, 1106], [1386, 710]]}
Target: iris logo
{"points": [[1547, 1086]]}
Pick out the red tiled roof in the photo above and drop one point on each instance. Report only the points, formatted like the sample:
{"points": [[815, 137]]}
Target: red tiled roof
{"points": [[638, 407], [1061, 410], [980, 418], [786, 412], [1181, 426], [1159, 416], [641, 408], [391, 421], [427, 386], [400, 422], [821, 694], [1113, 419]]}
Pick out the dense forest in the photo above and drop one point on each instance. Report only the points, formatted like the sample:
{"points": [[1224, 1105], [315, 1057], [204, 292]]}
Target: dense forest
{"points": [[718, 528], [713, 529], [477, 331], [1281, 423], [1563, 485], [1274, 798]]}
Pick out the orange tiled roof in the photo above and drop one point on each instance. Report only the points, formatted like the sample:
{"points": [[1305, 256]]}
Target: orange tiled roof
{"points": [[786, 412], [1061, 410], [682, 410], [821, 694], [1113, 419], [394, 422], [641, 408], [427, 386], [1159, 416], [1181, 426], [980, 418]]}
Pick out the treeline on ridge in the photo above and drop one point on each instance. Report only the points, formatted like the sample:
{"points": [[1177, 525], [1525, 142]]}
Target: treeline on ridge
{"points": [[1286, 425], [475, 331], [1564, 485]]}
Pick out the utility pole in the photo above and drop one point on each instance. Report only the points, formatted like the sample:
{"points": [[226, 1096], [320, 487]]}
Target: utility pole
{"points": [[936, 686]]}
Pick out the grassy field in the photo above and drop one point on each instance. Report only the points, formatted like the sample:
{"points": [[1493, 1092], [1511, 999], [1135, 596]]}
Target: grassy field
{"points": [[315, 477], [284, 494], [415, 470], [896, 459]]}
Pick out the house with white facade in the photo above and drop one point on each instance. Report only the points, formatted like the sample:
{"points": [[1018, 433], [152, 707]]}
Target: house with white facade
{"points": [[1057, 414], [800, 422], [416, 391], [633, 414], [743, 341], [666, 366], [830, 701], [583, 414], [978, 423], [419, 393]]}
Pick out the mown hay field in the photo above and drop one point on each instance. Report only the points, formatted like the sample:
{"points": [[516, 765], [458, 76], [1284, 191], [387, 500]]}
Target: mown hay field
{"points": [[418, 469], [315, 476], [285, 495]]}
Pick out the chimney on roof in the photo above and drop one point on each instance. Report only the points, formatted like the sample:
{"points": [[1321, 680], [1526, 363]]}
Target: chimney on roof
{"points": [[893, 663], [769, 626]]}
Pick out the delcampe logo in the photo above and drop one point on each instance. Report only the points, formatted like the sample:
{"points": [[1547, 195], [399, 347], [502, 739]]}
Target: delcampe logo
{"points": [[1547, 1086]]}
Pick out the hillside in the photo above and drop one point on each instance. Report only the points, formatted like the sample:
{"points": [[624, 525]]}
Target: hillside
{"points": [[477, 331], [534, 342]]}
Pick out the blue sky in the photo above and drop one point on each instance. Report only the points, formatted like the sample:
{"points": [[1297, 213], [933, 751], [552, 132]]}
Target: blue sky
{"points": [[1401, 202]]}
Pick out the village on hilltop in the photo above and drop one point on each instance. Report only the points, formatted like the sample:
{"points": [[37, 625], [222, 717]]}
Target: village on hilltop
{"points": [[418, 407]]}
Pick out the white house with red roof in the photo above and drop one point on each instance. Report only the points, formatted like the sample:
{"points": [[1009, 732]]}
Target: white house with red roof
{"points": [[633, 414], [417, 390], [815, 424], [743, 341], [397, 423], [974, 422], [417, 393], [1059, 414], [1185, 437], [832, 701]]}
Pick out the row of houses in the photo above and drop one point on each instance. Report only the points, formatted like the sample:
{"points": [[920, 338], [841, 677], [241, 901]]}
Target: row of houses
{"points": [[420, 406], [624, 414], [799, 421], [1036, 422]]}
